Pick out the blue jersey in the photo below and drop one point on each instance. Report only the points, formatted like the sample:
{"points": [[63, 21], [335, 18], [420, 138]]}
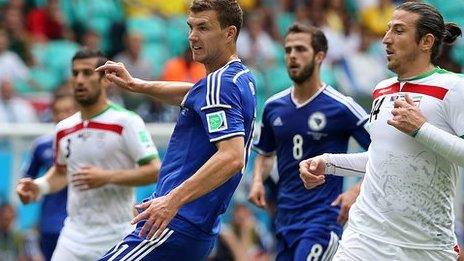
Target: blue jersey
{"points": [[220, 106], [323, 124], [53, 210]]}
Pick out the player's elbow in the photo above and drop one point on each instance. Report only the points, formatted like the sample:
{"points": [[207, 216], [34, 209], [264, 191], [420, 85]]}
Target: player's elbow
{"points": [[237, 164]]}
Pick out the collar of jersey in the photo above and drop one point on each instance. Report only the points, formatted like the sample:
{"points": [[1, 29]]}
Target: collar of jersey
{"points": [[421, 76], [310, 98], [108, 106]]}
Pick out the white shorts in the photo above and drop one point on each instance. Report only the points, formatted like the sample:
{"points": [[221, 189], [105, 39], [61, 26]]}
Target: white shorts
{"points": [[74, 245], [357, 247]]}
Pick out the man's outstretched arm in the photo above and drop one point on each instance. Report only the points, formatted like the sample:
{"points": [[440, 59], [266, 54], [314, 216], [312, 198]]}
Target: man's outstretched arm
{"points": [[169, 92]]}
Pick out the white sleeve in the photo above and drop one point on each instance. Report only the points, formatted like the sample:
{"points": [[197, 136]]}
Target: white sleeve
{"points": [[346, 165], [138, 140], [447, 145], [59, 157], [454, 108]]}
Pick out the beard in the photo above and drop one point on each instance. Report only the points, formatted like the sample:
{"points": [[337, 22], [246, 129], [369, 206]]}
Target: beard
{"points": [[305, 73], [89, 100]]}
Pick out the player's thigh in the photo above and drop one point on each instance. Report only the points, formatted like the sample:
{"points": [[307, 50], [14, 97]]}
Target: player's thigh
{"points": [[354, 246], [170, 245], [319, 248], [283, 252], [64, 252], [419, 254], [48, 244]]}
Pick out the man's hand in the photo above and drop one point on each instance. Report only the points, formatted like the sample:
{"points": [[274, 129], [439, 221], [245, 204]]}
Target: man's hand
{"points": [[90, 177], [257, 194], [27, 190], [157, 214], [118, 74], [312, 171], [406, 116], [345, 201]]}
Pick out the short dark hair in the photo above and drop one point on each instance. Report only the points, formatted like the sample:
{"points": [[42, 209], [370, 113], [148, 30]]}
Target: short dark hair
{"points": [[431, 22], [89, 53], [318, 39], [229, 11]]}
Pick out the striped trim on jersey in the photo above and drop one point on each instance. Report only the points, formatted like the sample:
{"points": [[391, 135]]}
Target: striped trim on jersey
{"points": [[213, 88], [144, 248], [116, 128], [239, 74], [357, 110], [331, 247], [278, 95]]}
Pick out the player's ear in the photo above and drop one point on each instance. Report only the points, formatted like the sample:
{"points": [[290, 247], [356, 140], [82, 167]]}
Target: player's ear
{"points": [[320, 56], [231, 33], [426, 43]]}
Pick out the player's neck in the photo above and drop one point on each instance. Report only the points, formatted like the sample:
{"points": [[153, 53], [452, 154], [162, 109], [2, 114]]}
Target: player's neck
{"points": [[305, 90], [415, 69], [220, 62], [88, 112]]}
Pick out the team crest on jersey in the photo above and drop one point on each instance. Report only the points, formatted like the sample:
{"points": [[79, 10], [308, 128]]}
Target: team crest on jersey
{"points": [[317, 121], [216, 121], [84, 135], [415, 98]]}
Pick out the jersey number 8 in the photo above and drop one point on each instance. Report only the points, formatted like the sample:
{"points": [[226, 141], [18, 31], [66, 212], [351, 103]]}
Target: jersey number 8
{"points": [[298, 147]]}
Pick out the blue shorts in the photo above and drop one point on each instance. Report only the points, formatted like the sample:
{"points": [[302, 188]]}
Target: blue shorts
{"points": [[171, 245], [48, 243], [318, 247]]}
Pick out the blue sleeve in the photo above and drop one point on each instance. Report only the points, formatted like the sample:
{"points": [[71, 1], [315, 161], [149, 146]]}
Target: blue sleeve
{"points": [[33, 166], [357, 118], [222, 116], [360, 134], [265, 144]]}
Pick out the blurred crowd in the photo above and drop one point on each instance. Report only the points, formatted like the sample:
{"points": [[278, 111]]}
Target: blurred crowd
{"points": [[39, 37]]}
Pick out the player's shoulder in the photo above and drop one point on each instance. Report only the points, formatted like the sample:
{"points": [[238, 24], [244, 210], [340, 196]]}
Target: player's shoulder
{"points": [[278, 97], [118, 114], [42, 141], [345, 102], [231, 80], [448, 79], [336, 96], [69, 122], [386, 83], [230, 74]]}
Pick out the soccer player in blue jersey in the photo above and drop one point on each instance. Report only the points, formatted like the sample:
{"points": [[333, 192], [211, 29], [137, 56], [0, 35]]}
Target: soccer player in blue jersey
{"points": [[53, 208], [306, 119], [208, 148]]}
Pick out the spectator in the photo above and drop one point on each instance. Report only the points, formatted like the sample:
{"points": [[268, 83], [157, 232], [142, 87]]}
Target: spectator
{"points": [[254, 45], [183, 69], [11, 65], [376, 17], [137, 65], [351, 74], [132, 58], [13, 23], [91, 40], [14, 109], [11, 242], [46, 23], [242, 240]]}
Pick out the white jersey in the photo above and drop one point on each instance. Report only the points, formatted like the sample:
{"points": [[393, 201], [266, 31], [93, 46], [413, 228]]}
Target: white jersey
{"points": [[408, 191], [115, 139]]}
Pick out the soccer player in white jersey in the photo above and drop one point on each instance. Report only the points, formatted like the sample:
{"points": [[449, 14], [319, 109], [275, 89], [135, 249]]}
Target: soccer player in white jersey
{"points": [[101, 151], [405, 208]]}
